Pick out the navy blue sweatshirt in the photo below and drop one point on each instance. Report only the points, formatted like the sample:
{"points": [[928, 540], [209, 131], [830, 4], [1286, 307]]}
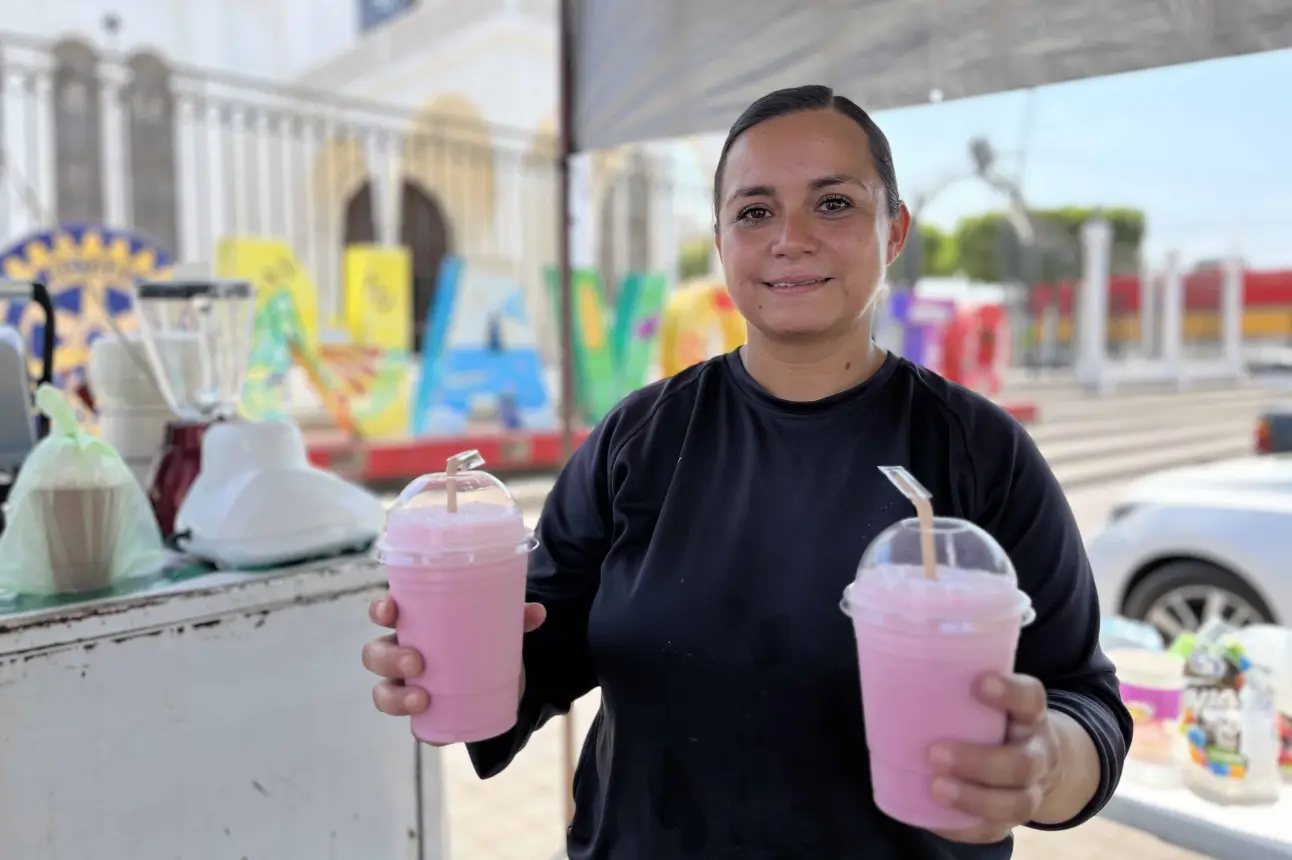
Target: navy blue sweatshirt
{"points": [[692, 557]]}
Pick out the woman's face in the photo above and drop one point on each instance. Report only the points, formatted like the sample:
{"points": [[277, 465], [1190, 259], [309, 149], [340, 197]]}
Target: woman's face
{"points": [[803, 232]]}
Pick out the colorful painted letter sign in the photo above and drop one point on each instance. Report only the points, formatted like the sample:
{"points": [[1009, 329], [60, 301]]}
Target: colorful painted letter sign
{"points": [[610, 362], [481, 370]]}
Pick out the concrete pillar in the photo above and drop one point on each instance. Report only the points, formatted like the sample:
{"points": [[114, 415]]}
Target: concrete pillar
{"points": [[1092, 304], [386, 190], [583, 223], [1232, 304], [1173, 317], [1149, 304], [665, 253]]}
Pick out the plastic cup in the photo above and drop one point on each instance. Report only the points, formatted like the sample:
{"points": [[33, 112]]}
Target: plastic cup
{"points": [[458, 578], [1152, 688], [922, 644]]}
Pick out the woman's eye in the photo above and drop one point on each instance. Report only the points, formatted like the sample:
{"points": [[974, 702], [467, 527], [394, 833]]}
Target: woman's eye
{"points": [[753, 213], [836, 204]]}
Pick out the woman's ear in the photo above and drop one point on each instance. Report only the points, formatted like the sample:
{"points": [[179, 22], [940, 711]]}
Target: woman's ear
{"points": [[899, 228]]}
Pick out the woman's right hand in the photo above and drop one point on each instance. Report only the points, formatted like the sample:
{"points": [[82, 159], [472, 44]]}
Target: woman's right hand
{"points": [[393, 663]]}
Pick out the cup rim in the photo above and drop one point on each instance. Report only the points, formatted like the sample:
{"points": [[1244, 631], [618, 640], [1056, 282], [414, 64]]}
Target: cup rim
{"points": [[1024, 611], [389, 555]]}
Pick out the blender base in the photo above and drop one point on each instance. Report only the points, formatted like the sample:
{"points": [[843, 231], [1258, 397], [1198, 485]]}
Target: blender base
{"points": [[177, 467]]}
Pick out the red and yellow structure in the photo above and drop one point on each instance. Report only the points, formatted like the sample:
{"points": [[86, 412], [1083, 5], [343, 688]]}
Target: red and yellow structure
{"points": [[1267, 303]]}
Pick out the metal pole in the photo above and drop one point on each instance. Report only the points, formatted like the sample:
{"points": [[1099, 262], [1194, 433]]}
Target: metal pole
{"points": [[565, 152], [565, 97]]}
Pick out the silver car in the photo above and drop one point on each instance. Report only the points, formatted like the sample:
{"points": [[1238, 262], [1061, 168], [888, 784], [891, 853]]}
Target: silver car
{"points": [[1187, 545]]}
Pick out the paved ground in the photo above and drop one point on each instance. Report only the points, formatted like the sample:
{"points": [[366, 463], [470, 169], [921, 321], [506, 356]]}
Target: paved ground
{"points": [[1090, 443], [1098, 840], [531, 829]]}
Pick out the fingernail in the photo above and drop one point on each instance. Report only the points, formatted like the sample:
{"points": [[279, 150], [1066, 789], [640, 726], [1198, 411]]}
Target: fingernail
{"points": [[408, 665], [993, 687], [941, 756], [945, 789], [412, 701]]}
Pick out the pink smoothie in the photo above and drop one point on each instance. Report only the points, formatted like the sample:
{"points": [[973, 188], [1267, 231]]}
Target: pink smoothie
{"points": [[921, 644], [459, 582]]}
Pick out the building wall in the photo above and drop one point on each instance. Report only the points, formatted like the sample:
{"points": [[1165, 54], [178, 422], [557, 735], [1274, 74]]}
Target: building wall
{"points": [[274, 39], [203, 119]]}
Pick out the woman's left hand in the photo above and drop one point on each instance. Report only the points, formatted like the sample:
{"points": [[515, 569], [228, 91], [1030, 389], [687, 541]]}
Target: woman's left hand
{"points": [[1003, 785]]}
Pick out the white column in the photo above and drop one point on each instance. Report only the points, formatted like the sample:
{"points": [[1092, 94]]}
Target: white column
{"points": [[1048, 346], [1148, 310], [117, 198], [385, 191], [26, 209], [663, 218], [1173, 317], [583, 223], [1232, 303], [44, 179], [215, 189], [186, 193], [1092, 307]]}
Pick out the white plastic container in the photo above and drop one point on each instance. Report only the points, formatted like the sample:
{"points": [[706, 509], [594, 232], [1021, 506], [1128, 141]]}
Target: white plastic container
{"points": [[1152, 684], [136, 433]]}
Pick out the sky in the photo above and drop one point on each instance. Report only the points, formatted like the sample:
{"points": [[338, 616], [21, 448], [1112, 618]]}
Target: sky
{"points": [[1205, 150]]}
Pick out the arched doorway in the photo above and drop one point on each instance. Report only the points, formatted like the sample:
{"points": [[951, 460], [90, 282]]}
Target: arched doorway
{"points": [[359, 228], [360, 225], [425, 232]]}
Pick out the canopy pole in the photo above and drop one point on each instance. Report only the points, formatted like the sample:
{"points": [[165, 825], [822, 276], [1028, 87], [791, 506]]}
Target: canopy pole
{"points": [[565, 99]]}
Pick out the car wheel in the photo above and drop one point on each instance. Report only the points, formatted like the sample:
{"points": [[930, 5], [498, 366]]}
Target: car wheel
{"points": [[1180, 595]]}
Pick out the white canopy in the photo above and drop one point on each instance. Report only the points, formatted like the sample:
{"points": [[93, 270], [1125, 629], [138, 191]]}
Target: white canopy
{"points": [[646, 69]]}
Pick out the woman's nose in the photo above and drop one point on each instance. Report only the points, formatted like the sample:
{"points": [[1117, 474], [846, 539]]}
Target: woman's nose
{"points": [[795, 236]]}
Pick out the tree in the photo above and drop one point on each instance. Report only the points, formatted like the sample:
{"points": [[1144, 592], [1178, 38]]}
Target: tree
{"points": [[693, 258], [929, 252], [941, 252], [989, 249]]}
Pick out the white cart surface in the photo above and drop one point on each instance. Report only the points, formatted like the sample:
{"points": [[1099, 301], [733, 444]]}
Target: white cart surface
{"points": [[223, 718]]}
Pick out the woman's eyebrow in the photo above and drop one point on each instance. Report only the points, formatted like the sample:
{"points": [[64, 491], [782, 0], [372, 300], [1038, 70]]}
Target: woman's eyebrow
{"points": [[835, 179], [830, 181]]}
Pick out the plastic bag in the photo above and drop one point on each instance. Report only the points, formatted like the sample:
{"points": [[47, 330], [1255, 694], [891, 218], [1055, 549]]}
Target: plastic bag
{"points": [[1229, 719], [1123, 634], [77, 519]]}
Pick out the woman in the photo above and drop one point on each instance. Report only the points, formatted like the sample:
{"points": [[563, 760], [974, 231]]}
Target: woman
{"points": [[694, 549]]}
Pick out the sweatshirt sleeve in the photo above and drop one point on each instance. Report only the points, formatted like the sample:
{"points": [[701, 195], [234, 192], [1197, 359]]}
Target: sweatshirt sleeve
{"points": [[564, 573], [1024, 508]]}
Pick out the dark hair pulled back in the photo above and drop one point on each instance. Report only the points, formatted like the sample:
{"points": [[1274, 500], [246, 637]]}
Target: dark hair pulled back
{"points": [[812, 97]]}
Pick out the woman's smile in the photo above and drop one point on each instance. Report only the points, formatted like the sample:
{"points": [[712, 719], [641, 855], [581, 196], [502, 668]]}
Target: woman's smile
{"points": [[796, 286]]}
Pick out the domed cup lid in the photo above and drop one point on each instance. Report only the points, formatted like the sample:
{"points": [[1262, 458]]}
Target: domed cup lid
{"points": [[934, 574], [459, 515]]}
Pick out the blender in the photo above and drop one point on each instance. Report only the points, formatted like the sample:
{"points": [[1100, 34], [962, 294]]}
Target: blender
{"points": [[239, 494], [197, 335]]}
